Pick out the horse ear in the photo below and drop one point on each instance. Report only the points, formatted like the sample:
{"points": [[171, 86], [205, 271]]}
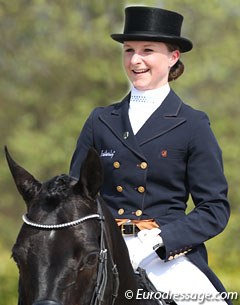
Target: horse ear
{"points": [[91, 175], [27, 185]]}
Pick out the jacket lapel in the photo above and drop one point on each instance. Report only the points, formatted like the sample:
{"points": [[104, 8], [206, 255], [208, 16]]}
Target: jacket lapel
{"points": [[118, 121], [164, 119], [161, 121]]}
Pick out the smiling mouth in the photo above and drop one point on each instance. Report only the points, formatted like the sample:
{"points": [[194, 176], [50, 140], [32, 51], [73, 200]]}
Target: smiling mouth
{"points": [[140, 71]]}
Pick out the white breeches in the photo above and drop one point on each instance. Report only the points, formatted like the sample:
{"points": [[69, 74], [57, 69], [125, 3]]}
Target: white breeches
{"points": [[179, 277]]}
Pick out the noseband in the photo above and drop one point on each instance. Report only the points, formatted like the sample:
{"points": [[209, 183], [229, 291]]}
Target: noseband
{"points": [[102, 275]]}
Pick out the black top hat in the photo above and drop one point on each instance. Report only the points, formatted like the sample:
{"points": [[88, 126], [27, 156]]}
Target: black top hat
{"points": [[153, 24]]}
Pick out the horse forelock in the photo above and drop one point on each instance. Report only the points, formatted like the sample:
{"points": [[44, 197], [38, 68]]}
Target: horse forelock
{"points": [[57, 202], [59, 186]]}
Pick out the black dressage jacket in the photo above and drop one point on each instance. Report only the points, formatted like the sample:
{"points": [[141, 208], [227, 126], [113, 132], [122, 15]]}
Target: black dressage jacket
{"points": [[151, 174]]}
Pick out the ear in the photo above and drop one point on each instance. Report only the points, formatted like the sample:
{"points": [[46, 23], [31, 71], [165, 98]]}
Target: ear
{"points": [[27, 185], [91, 175], [175, 56]]}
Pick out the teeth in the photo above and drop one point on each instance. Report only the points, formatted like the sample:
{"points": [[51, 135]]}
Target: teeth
{"points": [[140, 71]]}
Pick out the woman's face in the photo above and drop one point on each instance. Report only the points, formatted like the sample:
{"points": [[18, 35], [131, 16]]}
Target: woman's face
{"points": [[147, 63]]}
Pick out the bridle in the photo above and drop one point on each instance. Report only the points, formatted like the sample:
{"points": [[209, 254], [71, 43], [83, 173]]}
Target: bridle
{"points": [[102, 274]]}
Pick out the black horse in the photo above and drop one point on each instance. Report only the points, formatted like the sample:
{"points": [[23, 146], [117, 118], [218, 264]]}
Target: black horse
{"points": [[69, 250]]}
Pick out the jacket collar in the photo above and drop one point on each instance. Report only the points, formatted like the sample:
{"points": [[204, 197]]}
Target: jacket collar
{"points": [[169, 107]]}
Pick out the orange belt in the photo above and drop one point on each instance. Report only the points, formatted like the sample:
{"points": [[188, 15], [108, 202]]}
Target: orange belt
{"points": [[141, 224]]}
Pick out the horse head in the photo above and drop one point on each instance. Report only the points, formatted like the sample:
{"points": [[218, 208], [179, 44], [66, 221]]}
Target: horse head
{"points": [[58, 248], [69, 251]]}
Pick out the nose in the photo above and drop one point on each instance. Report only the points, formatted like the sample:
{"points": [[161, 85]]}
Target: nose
{"points": [[46, 302], [136, 58]]}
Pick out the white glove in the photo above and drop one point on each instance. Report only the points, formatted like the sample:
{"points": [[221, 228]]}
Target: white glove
{"points": [[144, 246], [151, 238]]}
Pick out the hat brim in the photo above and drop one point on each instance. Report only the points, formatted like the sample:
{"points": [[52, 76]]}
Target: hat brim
{"points": [[184, 44]]}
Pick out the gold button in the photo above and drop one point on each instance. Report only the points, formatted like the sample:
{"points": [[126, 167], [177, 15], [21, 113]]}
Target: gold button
{"points": [[141, 189], [143, 165], [116, 164], [119, 188], [170, 258], [120, 211], [138, 213]]}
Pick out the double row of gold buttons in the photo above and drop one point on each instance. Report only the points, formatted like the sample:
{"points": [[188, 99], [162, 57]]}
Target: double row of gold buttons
{"points": [[138, 213], [141, 189], [142, 165]]}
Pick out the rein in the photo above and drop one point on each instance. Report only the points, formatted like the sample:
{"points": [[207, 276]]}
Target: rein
{"points": [[102, 275]]}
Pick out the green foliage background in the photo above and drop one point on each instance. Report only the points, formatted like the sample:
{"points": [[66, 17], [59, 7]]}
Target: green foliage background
{"points": [[57, 62]]}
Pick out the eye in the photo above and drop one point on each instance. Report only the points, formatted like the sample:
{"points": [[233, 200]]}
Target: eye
{"points": [[128, 50], [17, 254], [15, 259], [91, 259], [147, 50]]}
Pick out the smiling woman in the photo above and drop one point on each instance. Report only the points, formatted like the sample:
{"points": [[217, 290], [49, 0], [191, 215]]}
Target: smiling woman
{"points": [[159, 161], [147, 64]]}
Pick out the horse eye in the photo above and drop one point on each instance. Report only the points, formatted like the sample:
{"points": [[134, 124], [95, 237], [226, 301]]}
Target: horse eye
{"points": [[91, 259], [15, 256], [15, 259]]}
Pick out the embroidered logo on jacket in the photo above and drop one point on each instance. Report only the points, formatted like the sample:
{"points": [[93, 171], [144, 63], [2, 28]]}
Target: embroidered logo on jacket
{"points": [[107, 153]]}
